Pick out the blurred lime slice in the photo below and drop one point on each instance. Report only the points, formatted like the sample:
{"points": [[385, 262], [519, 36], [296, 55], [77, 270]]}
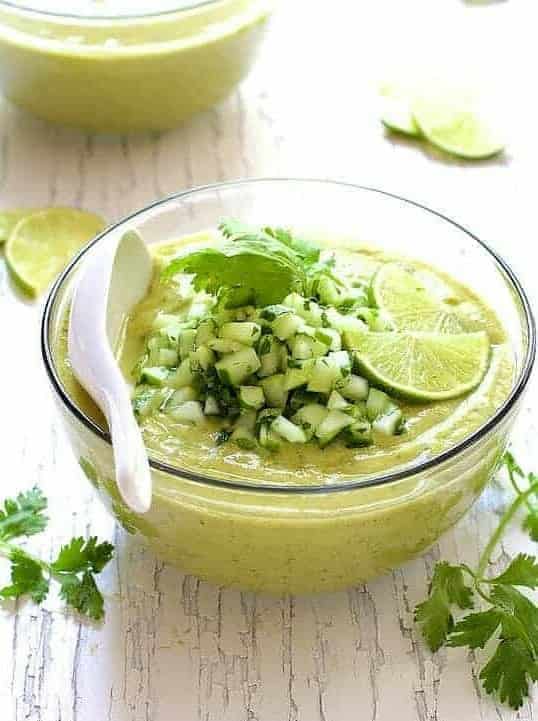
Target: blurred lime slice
{"points": [[422, 366], [41, 244], [456, 123], [396, 112], [400, 293], [9, 219]]}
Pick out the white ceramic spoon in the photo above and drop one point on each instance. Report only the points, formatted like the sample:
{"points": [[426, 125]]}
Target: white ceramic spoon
{"points": [[114, 277]]}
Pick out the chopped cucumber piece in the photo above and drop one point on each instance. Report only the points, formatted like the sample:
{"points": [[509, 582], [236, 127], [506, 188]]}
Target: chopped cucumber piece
{"points": [[275, 391], [244, 438], [205, 332], [182, 395], [336, 402], [357, 410], [346, 324], [295, 377], [251, 397], [329, 337], [331, 426], [211, 406], [190, 412], [355, 388], [246, 333], [235, 368], [145, 401], [182, 376], [359, 434], [186, 342], [323, 376], [165, 320], [286, 325], [288, 430], [269, 439], [270, 353], [328, 291], [309, 310], [155, 376], [224, 346], [377, 404], [310, 417], [202, 359], [168, 357], [340, 359], [389, 424], [247, 419]]}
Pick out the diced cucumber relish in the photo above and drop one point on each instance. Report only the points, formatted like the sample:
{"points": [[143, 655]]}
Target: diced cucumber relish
{"points": [[268, 377]]}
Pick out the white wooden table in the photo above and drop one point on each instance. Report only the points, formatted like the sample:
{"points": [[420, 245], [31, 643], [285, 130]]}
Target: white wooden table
{"points": [[173, 648]]}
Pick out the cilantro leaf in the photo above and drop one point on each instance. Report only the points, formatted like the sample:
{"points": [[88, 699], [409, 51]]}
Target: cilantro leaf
{"points": [[520, 615], [508, 672], [83, 595], [434, 615], [435, 619], [258, 267], [475, 629], [24, 515], [27, 578], [530, 524], [80, 555], [523, 571], [248, 271]]}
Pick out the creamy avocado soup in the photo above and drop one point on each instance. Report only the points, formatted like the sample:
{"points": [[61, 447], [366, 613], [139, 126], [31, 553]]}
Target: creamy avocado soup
{"points": [[258, 359], [114, 66], [282, 392]]}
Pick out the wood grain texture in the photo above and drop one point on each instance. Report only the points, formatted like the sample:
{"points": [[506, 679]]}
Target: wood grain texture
{"points": [[176, 649]]}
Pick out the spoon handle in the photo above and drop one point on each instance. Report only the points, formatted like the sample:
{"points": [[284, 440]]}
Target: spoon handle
{"points": [[130, 458]]}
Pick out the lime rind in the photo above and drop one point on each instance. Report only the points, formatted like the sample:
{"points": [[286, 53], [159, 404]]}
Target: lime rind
{"points": [[9, 219], [422, 366], [457, 126], [396, 113]]}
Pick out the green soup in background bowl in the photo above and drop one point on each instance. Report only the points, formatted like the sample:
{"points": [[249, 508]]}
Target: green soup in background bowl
{"points": [[120, 67], [268, 532]]}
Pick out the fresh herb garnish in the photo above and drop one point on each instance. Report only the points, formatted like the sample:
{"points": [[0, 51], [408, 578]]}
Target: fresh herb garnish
{"points": [[258, 267], [507, 616], [74, 569]]}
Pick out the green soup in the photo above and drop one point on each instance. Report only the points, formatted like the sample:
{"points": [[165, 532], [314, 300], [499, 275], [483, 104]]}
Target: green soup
{"points": [[301, 542], [431, 427], [122, 74]]}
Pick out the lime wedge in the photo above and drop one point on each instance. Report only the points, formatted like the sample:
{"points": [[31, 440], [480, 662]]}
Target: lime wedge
{"points": [[41, 244], [422, 366], [9, 219], [408, 304], [396, 111], [457, 125]]}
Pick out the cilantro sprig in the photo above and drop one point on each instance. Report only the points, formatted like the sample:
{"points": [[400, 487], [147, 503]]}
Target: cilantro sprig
{"points": [[74, 569], [258, 267], [506, 620]]}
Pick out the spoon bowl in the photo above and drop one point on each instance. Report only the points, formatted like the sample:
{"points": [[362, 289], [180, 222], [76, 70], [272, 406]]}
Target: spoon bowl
{"points": [[114, 278]]}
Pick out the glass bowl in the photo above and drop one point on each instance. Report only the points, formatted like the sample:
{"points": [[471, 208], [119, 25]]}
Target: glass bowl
{"points": [[119, 71], [292, 538]]}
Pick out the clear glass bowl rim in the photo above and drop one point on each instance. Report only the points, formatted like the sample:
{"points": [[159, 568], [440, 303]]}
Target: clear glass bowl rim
{"points": [[70, 16], [386, 478]]}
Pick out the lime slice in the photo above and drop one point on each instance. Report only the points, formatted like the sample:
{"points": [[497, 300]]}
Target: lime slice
{"points": [[9, 219], [41, 244], [408, 304], [457, 125], [422, 366], [396, 111]]}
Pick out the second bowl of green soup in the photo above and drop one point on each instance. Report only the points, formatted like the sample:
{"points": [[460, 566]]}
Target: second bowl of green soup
{"points": [[115, 66], [325, 376]]}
